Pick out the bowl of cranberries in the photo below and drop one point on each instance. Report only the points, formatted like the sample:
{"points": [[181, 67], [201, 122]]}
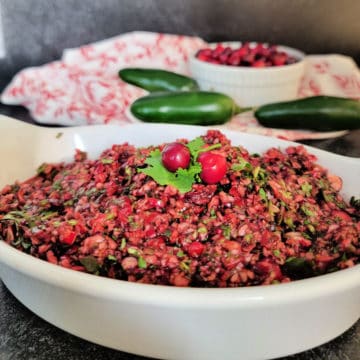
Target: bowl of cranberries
{"points": [[252, 73]]}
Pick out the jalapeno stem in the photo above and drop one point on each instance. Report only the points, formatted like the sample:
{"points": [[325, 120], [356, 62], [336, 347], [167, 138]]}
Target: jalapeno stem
{"points": [[239, 110]]}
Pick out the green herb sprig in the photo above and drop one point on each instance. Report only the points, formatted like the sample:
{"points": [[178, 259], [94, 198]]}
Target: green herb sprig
{"points": [[182, 179]]}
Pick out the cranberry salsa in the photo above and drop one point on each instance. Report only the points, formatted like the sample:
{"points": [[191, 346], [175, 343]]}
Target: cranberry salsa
{"points": [[247, 54], [199, 213]]}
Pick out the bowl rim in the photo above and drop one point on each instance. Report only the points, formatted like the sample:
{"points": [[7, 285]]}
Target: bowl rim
{"points": [[171, 296], [300, 56]]}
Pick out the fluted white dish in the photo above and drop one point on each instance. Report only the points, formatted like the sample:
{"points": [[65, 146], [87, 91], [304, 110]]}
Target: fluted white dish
{"points": [[260, 322]]}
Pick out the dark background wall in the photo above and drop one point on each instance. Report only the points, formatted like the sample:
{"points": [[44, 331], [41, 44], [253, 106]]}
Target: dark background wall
{"points": [[36, 31]]}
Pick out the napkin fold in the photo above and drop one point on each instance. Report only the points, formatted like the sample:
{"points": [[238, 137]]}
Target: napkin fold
{"points": [[83, 88]]}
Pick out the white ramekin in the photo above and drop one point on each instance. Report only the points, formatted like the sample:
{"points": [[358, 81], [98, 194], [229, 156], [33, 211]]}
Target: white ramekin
{"points": [[250, 86]]}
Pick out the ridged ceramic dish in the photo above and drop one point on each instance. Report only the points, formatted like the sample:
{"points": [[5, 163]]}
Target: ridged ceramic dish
{"points": [[260, 322], [250, 86]]}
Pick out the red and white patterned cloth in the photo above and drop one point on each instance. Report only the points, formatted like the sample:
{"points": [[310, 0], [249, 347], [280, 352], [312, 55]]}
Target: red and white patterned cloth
{"points": [[84, 87]]}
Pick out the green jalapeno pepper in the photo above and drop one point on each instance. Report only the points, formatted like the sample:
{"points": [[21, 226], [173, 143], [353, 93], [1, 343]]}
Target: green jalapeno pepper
{"points": [[322, 113], [157, 80], [192, 108]]}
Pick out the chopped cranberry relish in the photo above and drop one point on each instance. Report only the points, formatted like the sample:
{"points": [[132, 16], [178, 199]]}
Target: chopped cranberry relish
{"points": [[272, 218]]}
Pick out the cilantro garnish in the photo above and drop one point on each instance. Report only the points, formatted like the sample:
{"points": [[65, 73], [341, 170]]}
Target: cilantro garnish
{"points": [[142, 263], [112, 257], [123, 244], [106, 161], [355, 202], [90, 264], [41, 169], [133, 251], [226, 229], [306, 188], [72, 222], [182, 179], [262, 194], [307, 211], [57, 185], [180, 254], [241, 164], [196, 146], [277, 252]]}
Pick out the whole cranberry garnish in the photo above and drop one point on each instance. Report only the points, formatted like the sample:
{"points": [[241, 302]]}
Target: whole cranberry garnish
{"points": [[213, 167], [174, 156]]}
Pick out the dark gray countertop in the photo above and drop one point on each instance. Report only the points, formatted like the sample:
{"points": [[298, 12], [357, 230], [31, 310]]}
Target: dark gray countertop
{"points": [[24, 336]]}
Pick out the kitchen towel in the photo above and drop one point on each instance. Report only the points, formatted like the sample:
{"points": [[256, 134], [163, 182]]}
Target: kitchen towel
{"points": [[83, 88]]}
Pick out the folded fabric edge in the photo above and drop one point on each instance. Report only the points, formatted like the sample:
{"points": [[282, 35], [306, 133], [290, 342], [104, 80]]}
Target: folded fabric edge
{"points": [[69, 52]]}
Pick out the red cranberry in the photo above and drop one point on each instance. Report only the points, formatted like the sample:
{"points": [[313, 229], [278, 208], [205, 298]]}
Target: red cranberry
{"points": [[175, 155], [195, 249], [260, 55], [213, 167]]}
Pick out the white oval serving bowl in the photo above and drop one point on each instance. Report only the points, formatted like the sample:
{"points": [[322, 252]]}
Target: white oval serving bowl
{"points": [[250, 86], [261, 322]]}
